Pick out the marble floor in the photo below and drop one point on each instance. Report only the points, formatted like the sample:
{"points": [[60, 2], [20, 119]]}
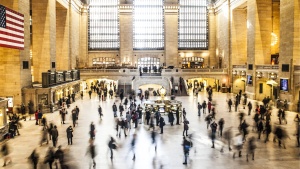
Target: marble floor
{"points": [[169, 153]]}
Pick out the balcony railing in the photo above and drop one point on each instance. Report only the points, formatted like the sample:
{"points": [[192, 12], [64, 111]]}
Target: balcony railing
{"points": [[269, 67]]}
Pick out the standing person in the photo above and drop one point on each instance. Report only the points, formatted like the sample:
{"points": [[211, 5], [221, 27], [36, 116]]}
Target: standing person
{"points": [[229, 104], [297, 121], [54, 135], [251, 147], [177, 116], [213, 127], [100, 112], [74, 117], [161, 124], [204, 105], [49, 158], [5, 150], [69, 135], [199, 109], [249, 108], [171, 117], [209, 106], [186, 149], [34, 158], [63, 113], [40, 116], [221, 126], [91, 151], [36, 117], [185, 127], [112, 145], [92, 131]]}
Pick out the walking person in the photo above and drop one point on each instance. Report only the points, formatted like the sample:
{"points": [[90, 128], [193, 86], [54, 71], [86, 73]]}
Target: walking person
{"points": [[69, 135], [251, 147], [186, 149], [91, 151], [238, 144], [268, 130], [199, 109], [59, 157], [133, 143], [185, 127], [49, 158], [221, 126], [54, 135], [229, 104], [161, 124], [184, 114], [63, 113], [100, 112], [177, 116], [249, 108], [213, 127], [204, 105], [34, 158], [260, 128], [209, 106], [74, 117], [112, 145], [92, 131], [5, 150], [171, 117]]}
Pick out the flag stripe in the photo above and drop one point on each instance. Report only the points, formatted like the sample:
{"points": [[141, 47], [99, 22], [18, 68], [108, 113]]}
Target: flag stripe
{"points": [[14, 20], [9, 26], [14, 15], [11, 43], [21, 40], [14, 23], [11, 40], [10, 46], [11, 33]]}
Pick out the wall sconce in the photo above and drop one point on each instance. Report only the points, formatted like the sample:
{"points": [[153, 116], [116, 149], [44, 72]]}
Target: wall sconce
{"points": [[243, 73], [272, 76], [234, 72], [259, 74]]}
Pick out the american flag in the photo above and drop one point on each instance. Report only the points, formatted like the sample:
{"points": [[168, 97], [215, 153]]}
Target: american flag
{"points": [[11, 28]]}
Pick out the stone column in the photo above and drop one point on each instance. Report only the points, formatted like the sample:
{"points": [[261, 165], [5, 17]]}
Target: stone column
{"points": [[62, 37], [259, 26], [74, 32], [213, 59], [289, 52], [43, 36], [83, 53], [126, 33], [171, 35]]}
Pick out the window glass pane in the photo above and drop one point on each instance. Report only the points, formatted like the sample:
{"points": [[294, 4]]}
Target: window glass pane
{"points": [[148, 24], [193, 24], [103, 26]]}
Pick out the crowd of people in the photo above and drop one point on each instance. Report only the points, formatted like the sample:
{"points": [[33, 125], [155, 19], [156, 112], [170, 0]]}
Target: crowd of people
{"points": [[129, 115]]}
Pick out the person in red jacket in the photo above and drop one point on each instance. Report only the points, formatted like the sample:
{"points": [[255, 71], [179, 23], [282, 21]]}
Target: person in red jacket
{"points": [[209, 106], [36, 117]]}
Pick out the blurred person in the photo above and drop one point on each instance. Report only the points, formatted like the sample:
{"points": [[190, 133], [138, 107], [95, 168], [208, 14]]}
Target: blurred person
{"points": [[59, 157], [238, 144], [112, 146], [152, 122], [54, 134], [186, 149], [283, 116], [260, 128], [69, 132], [171, 117], [100, 112], [251, 148], [161, 124], [34, 158], [213, 127], [132, 145], [199, 106], [5, 150], [147, 116], [74, 116], [268, 130], [153, 139], [244, 128], [128, 119], [185, 127], [249, 108], [92, 130], [280, 135], [241, 116], [44, 137], [204, 105], [208, 120], [177, 116], [63, 113], [44, 122], [49, 129], [92, 152], [209, 106], [236, 104], [49, 158], [221, 126], [229, 104], [227, 138]]}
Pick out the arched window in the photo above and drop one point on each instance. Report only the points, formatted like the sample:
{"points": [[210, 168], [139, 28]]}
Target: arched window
{"points": [[148, 25], [103, 25]]}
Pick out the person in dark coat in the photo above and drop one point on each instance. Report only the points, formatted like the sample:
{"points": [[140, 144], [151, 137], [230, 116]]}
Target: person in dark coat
{"points": [[100, 112], [221, 126], [70, 135], [34, 158], [185, 127], [249, 108], [49, 157], [213, 127], [177, 116], [54, 134], [59, 157], [260, 128], [148, 115], [74, 117], [161, 124], [171, 118], [186, 149], [268, 130], [92, 130], [229, 104]]}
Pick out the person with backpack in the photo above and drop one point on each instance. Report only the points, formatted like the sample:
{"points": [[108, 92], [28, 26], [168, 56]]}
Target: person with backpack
{"points": [[199, 109], [186, 149]]}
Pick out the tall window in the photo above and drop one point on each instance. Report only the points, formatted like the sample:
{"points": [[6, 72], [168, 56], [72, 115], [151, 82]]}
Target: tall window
{"points": [[193, 24], [103, 25], [148, 28]]}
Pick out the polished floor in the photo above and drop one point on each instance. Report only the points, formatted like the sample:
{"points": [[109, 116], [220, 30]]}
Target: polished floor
{"points": [[169, 153]]}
